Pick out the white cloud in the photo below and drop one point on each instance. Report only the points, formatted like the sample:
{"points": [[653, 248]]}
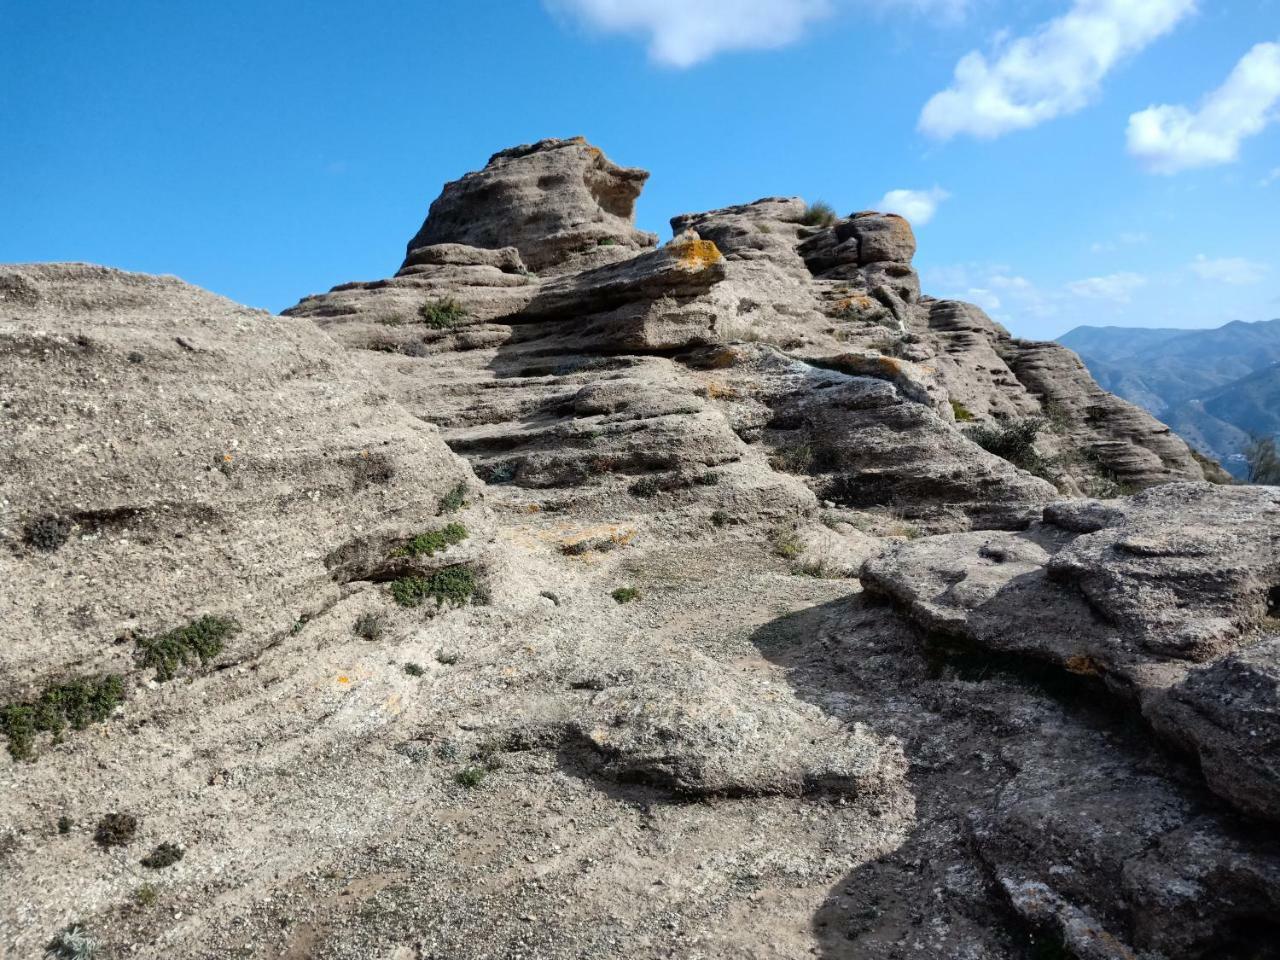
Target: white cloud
{"points": [[1127, 239], [681, 33], [1236, 271], [1116, 287], [1270, 178], [987, 300], [1056, 70], [918, 206], [1171, 138]]}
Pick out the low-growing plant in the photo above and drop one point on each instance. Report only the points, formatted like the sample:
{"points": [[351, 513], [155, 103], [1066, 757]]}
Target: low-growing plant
{"points": [[454, 500], [116, 830], [369, 626], [626, 594], [448, 657], [414, 669], [46, 533], [962, 413], [451, 585], [146, 895], [787, 543], [432, 541], [607, 242], [73, 942], [1014, 440], [65, 824], [469, 777], [819, 214], [442, 314], [75, 703], [164, 855], [200, 640], [719, 518]]}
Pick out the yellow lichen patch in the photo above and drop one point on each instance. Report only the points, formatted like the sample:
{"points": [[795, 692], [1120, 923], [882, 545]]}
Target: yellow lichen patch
{"points": [[697, 254], [1083, 666], [344, 679], [721, 391]]}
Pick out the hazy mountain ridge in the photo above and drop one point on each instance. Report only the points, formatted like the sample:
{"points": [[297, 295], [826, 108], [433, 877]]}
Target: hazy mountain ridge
{"points": [[1216, 388]]}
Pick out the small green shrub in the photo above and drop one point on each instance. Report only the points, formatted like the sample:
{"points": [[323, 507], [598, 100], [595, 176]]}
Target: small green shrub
{"points": [[787, 543], [200, 640], [719, 518], [46, 533], [414, 669], [448, 657], [146, 895], [116, 830], [432, 542], [75, 703], [65, 824], [626, 594], [963, 414], [71, 943], [442, 314], [164, 855], [607, 242], [1014, 441], [454, 500], [455, 585], [469, 777], [819, 214], [369, 626]]}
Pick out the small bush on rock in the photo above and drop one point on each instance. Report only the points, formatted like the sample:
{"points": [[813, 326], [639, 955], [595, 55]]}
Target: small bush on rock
{"points": [[432, 542], [369, 626], [414, 669], [200, 640], [454, 500], [71, 943], [819, 214], [46, 533], [442, 314], [76, 703], [1013, 441], [469, 777], [116, 830], [962, 413], [787, 543], [164, 855], [452, 585], [626, 594]]}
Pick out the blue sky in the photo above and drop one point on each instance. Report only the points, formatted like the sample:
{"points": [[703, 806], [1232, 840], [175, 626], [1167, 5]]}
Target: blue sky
{"points": [[1084, 161]]}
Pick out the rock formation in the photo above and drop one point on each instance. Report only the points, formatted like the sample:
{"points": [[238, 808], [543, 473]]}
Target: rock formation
{"points": [[569, 595]]}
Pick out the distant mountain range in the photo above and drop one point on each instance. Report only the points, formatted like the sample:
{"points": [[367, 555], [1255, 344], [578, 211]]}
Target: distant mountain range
{"points": [[1216, 388]]}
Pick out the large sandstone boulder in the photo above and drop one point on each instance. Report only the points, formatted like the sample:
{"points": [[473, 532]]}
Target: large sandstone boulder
{"points": [[562, 203], [171, 455]]}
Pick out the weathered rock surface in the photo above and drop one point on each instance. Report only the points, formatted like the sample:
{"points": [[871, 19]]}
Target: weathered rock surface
{"points": [[562, 203], [1135, 592], [195, 457], [668, 721]]}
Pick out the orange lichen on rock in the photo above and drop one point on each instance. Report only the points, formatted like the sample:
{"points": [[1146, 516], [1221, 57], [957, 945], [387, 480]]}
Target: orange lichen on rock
{"points": [[1083, 666], [721, 391], [697, 254]]}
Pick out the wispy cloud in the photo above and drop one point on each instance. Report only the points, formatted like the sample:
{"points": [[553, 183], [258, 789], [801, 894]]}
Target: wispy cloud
{"points": [[1127, 239], [1270, 178], [918, 206], [1235, 271], [1056, 70], [1171, 138], [682, 33], [1116, 287]]}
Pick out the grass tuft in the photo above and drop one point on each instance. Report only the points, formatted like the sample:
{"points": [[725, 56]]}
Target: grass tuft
{"points": [[626, 594], [819, 214]]}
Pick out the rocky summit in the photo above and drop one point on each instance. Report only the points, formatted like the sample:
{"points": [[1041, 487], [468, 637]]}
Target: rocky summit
{"points": [[570, 594]]}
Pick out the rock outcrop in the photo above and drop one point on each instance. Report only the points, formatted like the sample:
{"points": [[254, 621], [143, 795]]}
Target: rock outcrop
{"points": [[569, 595], [171, 455]]}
